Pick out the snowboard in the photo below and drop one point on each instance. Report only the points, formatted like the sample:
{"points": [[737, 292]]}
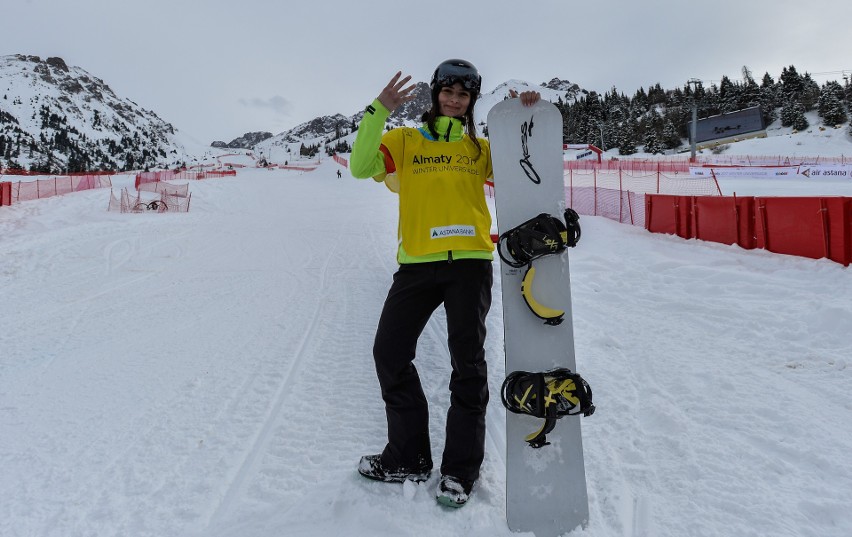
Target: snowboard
{"points": [[545, 486]]}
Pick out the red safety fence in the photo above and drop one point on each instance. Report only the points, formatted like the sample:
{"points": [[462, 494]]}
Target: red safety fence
{"points": [[169, 175], [168, 188], [19, 171], [813, 227], [56, 186], [671, 166], [619, 194]]}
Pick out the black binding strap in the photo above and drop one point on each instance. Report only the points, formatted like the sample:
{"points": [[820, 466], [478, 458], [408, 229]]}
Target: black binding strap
{"points": [[547, 395], [537, 237]]}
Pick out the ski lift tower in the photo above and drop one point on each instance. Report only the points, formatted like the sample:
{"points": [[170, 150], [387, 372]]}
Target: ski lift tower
{"points": [[693, 135]]}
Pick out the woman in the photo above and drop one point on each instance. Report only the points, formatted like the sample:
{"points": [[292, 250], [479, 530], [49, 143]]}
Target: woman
{"points": [[445, 254]]}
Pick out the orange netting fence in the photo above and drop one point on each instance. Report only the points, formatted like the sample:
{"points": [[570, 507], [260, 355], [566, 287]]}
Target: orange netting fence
{"points": [[620, 194], [169, 175], [163, 187], [670, 166], [56, 186]]}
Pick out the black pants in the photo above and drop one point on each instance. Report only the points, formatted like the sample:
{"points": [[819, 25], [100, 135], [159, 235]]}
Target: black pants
{"points": [[464, 287]]}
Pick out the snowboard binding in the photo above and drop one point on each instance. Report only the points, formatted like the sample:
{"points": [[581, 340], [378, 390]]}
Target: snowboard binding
{"points": [[543, 235], [551, 395], [535, 238]]}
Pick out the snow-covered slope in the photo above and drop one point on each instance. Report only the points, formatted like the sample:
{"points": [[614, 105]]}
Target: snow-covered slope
{"points": [[209, 374]]}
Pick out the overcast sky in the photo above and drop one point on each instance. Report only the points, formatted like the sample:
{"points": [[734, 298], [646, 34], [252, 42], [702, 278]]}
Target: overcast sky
{"points": [[216, 69]]}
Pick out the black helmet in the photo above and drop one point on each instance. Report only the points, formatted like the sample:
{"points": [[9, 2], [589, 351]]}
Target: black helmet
{"points": [[452, 71]]}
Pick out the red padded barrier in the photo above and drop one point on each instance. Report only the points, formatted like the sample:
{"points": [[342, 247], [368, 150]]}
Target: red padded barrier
{"points": [[808, 227], [5, 193], [814, 227], [669, 214], [728, 220], [839, 229], [793, 226]]}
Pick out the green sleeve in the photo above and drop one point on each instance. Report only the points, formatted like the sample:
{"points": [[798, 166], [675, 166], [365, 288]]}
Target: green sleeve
{"points": [[366, 159]]}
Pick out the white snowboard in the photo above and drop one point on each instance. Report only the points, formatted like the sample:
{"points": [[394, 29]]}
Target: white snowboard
{"points": [[545, 487]]}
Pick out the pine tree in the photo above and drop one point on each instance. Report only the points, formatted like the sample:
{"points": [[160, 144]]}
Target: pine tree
{"points": [[652, 143], [810, 93], [671, 137], [831, 109], [793, 115], [769, 100], [627, 138], [792, 85], [729, 96]]}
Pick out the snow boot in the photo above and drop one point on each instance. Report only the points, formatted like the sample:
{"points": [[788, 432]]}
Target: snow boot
{"points": [[371, 467], [453, 491]]}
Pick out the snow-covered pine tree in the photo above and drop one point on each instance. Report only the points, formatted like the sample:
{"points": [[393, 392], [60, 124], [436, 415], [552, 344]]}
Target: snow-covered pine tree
{"points": [[831, 109], [671, 137], [627, 138], [770, 99], [810, 93], [652, 142], [793, 115], [729, 96]]}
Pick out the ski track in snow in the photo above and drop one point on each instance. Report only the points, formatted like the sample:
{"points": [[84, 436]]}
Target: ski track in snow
{"points": [[210, 374]]}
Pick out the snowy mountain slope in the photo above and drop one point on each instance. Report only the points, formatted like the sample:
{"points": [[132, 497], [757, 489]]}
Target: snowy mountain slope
{"points": [[57, 117], [246, 141]]}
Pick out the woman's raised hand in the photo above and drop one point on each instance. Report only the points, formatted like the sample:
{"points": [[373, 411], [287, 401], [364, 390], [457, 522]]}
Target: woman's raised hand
{"points": [[395, 94]]}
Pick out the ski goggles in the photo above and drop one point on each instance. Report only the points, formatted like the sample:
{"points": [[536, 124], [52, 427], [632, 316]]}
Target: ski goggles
{"points": [[449, 74]]}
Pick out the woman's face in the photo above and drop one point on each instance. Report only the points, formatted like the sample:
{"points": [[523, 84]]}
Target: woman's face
{"points": [[453, 100]]}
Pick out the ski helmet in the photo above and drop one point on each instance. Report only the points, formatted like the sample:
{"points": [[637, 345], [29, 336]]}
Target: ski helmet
{"points": [[451, 71]]}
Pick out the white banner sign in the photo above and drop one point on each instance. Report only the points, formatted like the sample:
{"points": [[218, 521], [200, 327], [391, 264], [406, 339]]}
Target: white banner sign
{"points": [[826, 171], [745, 171]]}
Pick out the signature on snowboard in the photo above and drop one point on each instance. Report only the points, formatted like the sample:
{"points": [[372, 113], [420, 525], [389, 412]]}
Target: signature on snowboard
{"points": [[526, 164]]}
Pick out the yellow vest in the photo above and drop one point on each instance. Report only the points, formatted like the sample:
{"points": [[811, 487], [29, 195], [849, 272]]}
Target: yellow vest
{"points": [[441, 197]]}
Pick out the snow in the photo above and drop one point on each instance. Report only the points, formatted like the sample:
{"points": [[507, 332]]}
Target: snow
{"points": [[210, 373]]}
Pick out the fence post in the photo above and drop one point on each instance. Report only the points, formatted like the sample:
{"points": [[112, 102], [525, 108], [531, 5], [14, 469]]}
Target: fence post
{"points": [[825, 233], [713, 174], [694, 209], [676, 213], [648, 208], [761, 206], [595, 182], [737, 219], [571, 187], [630, 208]]}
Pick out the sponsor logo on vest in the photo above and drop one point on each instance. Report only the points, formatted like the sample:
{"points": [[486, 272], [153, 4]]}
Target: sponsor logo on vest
{"points": [[439, 159], [452, 231]]}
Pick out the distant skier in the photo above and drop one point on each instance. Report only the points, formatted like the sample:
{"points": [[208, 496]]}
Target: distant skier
{"points": [[445, 254], [339, 175]]}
